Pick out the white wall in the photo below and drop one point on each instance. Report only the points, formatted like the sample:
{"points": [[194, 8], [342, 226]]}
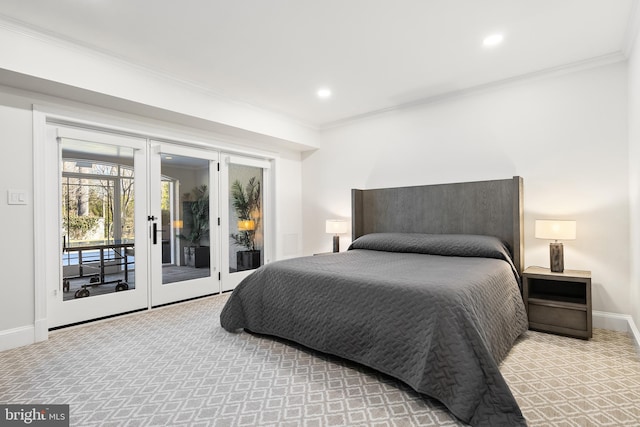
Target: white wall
{"points": [[634, 174], [17, 287], [16, 251], [566, 135], [289, 220]]}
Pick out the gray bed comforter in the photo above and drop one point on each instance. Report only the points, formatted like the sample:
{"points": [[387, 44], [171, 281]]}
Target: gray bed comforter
{"points": [[437, 312]]}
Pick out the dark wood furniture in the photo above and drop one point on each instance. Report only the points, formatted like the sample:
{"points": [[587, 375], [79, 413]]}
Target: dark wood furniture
{"points": [[492, 208], [559, 303]]}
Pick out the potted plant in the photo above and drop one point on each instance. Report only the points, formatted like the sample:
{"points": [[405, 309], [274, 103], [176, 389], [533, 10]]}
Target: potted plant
{"points": [[246, 202], [196, 221]]}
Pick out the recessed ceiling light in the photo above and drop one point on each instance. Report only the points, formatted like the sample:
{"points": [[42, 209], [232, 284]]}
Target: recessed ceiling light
{"points": [[492, 40], [168, 157], [324, 93]]}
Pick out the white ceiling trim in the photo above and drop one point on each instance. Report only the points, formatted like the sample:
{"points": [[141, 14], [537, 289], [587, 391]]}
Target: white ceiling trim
{"points": [[550, 72]]}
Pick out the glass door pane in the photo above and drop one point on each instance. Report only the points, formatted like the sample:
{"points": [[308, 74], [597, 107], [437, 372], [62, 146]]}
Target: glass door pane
{"points": [[185, 218], [98, 223], [246, 237]]}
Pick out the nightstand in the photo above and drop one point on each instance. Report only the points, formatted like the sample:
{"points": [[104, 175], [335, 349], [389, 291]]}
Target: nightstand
{"points": [[559, 303]]}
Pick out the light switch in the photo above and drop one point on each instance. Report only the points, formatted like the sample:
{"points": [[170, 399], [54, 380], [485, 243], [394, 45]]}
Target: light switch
{"points": [[16, 197]]}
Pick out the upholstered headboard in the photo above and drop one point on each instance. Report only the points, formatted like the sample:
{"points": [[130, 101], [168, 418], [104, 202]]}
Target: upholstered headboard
{"points": [[493, 208]]}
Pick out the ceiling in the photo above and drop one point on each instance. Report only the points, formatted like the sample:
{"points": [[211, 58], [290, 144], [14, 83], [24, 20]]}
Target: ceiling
{"points": [[373, 54]]}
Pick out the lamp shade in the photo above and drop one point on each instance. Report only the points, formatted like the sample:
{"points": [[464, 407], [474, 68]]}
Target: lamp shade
{"points": [[336, 226], [246, 225], [555, 229]]}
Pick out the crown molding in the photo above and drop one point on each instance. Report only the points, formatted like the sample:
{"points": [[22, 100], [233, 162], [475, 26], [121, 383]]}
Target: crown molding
{"points": [[586, 64]]}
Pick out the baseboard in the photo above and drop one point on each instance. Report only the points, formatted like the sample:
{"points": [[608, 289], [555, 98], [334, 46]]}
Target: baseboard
{"points": [[617, 322], [17, 337], [633, 330], [611, 321], [41, 331]]}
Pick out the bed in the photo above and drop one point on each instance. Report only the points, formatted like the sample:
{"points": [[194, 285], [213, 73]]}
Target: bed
{"points": [[428, 293]]}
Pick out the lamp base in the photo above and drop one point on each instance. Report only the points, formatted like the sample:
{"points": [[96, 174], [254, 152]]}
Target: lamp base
{"points": [[336, 243], [556, 257]]}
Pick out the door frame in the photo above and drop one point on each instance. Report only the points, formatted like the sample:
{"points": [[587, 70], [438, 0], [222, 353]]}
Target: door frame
{"points": [[82, 309], [160, 293], [231, 280], [112, 123]]}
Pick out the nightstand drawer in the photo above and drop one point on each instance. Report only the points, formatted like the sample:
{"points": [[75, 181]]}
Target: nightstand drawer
{"points": [[563, 317], [559, 303]]}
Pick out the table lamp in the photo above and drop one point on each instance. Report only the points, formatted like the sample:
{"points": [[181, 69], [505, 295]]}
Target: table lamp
{"points": [[336, 227], [555, 230], [246, 225]]}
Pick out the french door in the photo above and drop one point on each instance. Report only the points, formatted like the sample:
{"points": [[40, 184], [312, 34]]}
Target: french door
{"points": [[246, 223], [97, 225], [183, 223], [137, 223]]}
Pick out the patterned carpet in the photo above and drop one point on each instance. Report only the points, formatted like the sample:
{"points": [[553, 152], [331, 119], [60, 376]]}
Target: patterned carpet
{"points": [[175, 366]]}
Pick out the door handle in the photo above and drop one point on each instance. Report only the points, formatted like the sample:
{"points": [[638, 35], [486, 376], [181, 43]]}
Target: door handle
{"points": [[155, 233]]}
